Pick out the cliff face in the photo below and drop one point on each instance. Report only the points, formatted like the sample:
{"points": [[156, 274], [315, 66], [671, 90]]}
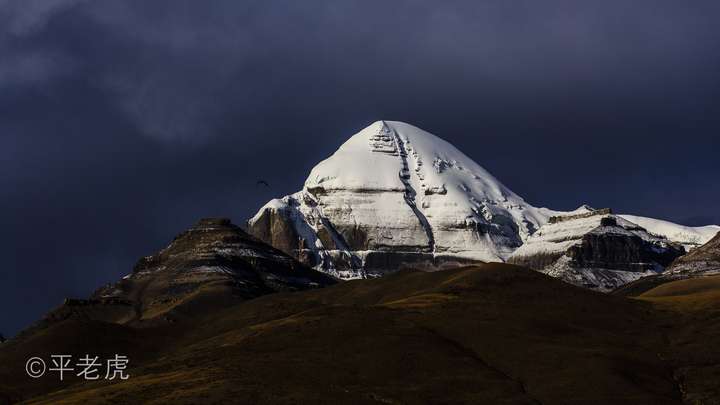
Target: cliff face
{"points": [[394, 195], [701, 262], [622, 252], [597, 250], [276, 228]]}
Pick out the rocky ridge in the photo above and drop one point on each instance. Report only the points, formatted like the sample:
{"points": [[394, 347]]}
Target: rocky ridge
{"points": [[703, 261], [597, 250], [214, 263]]}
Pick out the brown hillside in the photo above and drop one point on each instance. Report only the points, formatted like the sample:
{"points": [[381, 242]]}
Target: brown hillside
{"points": [[494, 334]]}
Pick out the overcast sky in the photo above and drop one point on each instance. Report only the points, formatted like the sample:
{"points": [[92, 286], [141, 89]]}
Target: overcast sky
{"points": [[123, 122]]}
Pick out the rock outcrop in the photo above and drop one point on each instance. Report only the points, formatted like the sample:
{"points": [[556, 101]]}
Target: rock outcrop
{"points": [[700, 262], [703, 261], [213, 264], [212, 254], [596, 250]]}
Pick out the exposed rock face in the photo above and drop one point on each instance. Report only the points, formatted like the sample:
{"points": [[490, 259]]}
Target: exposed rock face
{"points": [[700, 262], [213, 259], [597, 250], [394, 195], [703, 261]]}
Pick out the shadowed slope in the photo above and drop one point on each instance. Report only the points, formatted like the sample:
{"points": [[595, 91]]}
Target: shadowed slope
{"points": [[211, 265], [691, 310], [493, 334]]}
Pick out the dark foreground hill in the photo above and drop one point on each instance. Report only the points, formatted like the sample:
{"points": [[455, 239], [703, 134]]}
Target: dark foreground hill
{"points": [[691, 311], [214, 264], [496, 334]]}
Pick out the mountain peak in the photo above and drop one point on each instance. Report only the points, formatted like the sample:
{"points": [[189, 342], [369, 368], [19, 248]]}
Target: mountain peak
{"points": [[373, 158], [396, 156], [213, 222], [394, 195], [396, 192]]}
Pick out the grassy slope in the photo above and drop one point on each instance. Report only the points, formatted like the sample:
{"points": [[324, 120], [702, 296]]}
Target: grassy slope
{"points": [[496, 334], [691, 313]]}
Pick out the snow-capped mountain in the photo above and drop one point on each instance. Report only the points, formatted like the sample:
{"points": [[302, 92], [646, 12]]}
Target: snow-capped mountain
{"points": [[597, 250], [395, 195], [688, 236]]}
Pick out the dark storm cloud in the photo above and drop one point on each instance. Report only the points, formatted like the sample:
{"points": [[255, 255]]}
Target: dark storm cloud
{"points": [[122, 122]]}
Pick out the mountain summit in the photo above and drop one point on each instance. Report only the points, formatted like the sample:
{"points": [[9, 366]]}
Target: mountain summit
{"points": [[394, 195]]}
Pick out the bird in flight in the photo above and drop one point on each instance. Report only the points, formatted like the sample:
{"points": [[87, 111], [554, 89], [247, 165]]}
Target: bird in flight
{"points": [[262, 183]]}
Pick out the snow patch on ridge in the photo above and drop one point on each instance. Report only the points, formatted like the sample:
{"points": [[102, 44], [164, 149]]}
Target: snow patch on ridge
{"points": [[690, 237], [568, 230]]}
